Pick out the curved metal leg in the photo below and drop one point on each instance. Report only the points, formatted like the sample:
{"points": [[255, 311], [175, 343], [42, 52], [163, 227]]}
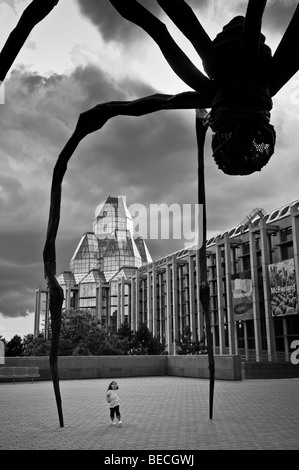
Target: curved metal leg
{"points": [[89, 122]]}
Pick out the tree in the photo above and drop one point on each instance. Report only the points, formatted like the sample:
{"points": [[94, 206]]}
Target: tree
{"points": [[185, 343], [155, 347], [36, 346], [82, 334], [80, 331], [125, 335], [14, 347], [145, 343]]}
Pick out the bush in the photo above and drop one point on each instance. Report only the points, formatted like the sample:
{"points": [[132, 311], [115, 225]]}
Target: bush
{"points": [[82, 335]]}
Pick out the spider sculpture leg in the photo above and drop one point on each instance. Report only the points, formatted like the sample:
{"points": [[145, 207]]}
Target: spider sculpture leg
{"points": [[32, 15], [285, 62], [204, 290], [88, 122], [177, 59], [184, 18], [251, 30]]}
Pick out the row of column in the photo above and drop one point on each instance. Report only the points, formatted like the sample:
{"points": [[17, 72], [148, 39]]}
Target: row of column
{"points": [[226, 244], [132, 300], [150, 280]]}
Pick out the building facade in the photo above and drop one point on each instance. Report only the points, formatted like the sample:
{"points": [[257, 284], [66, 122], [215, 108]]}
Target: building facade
{"points": [[103, 256], [253, 274]]}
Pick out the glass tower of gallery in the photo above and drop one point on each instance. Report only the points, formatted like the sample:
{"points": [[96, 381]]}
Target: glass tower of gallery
{"points": [[105, 254]]}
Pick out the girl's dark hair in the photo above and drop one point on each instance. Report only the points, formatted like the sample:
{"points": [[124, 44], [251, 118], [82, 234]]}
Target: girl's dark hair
{"points": [[110, 385]]}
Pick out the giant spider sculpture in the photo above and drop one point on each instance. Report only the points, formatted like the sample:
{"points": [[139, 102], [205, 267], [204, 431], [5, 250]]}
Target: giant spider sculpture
{"points": [[241, 78]]}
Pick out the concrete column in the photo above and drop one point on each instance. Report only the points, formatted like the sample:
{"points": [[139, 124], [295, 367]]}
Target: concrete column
{"points": [[144, 304], [182, 295], [118, 317], [133, 304], [128, 310], [109, 308], [160, 278], [200, 315], [137, 301], [149, 299], [285, 339], [266, 287], [229, 299], [175, 302], [67, 299], [191, 297], [99, 300], [155, 300], [168, 326], [255, 296], [221, 306], [122, 300], [37, 311]]}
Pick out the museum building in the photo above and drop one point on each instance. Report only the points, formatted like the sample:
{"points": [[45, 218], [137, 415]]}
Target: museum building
{"points": [[252, 272]]}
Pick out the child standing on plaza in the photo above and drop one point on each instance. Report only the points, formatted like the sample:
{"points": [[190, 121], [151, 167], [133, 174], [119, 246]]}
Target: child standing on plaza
{"points": [[112, 397]]}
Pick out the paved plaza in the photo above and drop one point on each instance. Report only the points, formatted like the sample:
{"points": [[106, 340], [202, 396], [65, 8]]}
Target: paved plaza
{"points": [[165, 413]]}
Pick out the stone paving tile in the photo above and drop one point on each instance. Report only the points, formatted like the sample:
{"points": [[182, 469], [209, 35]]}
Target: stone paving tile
{"points": [[158, 413]]}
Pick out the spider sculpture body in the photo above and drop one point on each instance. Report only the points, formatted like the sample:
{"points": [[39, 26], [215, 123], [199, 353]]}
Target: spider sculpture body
{"points": [[243, 139], [242, 77]]}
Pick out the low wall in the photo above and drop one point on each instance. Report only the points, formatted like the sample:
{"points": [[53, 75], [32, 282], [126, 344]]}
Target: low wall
{"points": [[84, 367], [227, 367], [269, 370], [89, 367]]}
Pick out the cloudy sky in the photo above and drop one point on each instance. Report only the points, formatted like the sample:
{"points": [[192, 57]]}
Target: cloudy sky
{"points": [[84, 53]]}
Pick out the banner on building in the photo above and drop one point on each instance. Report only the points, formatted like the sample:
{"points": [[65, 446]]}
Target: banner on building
{"points": [[283, 288], [242, 295]]}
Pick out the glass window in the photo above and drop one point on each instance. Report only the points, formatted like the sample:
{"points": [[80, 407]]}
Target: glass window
{"points": [[286, 234]]}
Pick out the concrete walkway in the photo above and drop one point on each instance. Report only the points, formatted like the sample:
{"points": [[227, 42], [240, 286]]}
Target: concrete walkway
{"points": [[158, 413]]}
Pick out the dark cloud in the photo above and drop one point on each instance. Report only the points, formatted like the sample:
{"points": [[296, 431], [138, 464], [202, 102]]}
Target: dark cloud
{"points": [[110, 23], [151, 159], [21, 270], [113, 26], [131, 156]]}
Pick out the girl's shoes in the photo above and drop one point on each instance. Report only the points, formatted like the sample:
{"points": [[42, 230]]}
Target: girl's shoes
{"points": [[114, 423]]}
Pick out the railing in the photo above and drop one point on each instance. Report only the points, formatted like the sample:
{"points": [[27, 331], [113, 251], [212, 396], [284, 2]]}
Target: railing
{"points": [[250, 355]]}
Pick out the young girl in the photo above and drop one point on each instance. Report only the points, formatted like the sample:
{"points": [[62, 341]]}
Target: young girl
{"points": [[112, 397]]}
